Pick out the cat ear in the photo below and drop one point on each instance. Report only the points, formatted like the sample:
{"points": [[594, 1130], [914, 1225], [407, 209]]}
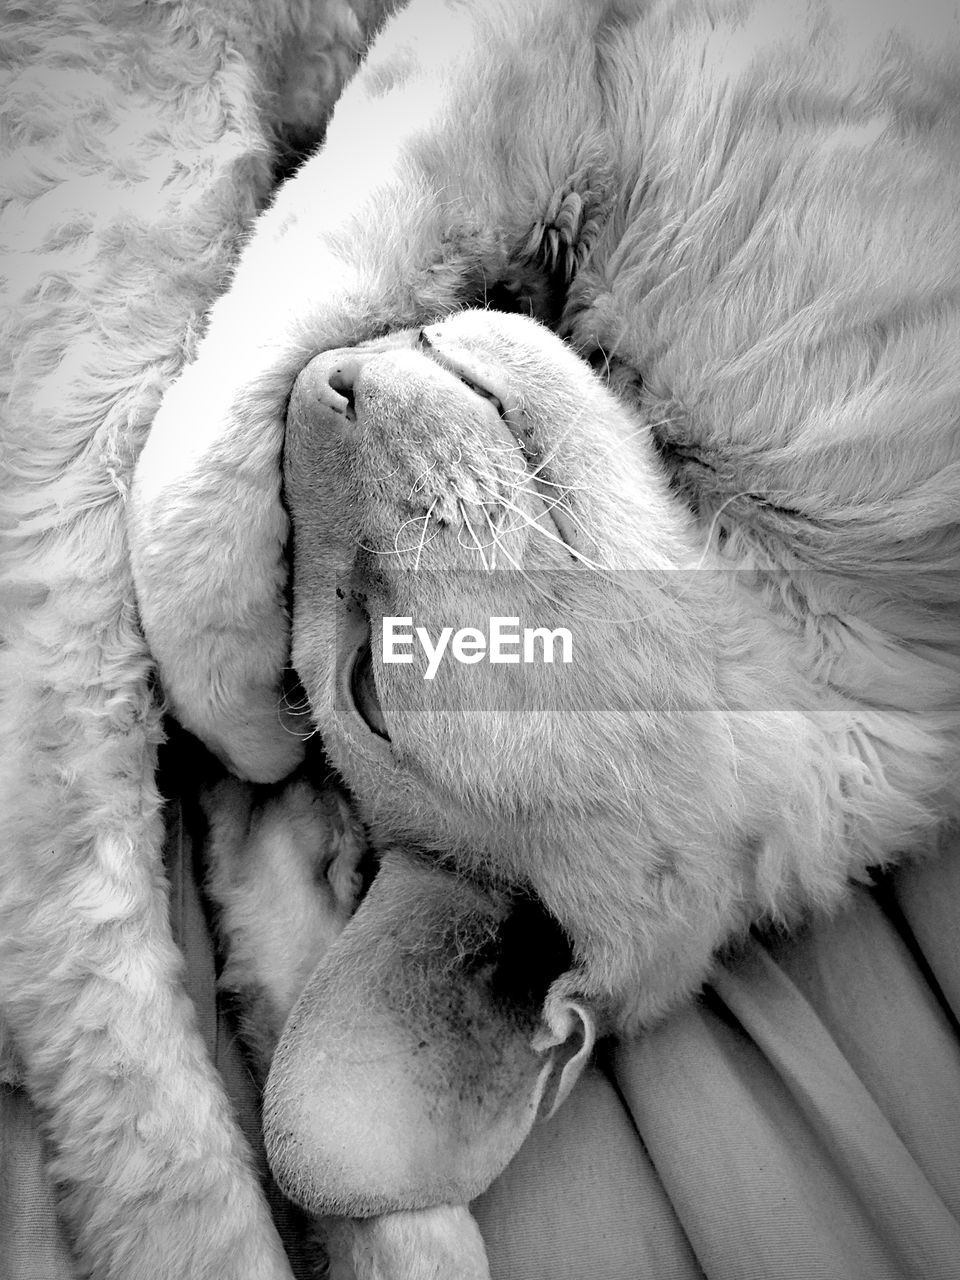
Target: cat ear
{"points": [[422, 1049], [567, 1038]]}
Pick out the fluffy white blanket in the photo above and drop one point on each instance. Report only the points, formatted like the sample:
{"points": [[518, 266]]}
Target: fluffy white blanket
{"points": [[137, 146]]}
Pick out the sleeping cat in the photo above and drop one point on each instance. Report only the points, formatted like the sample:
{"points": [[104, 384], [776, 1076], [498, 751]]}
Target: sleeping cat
{"points": [[723, 455]]}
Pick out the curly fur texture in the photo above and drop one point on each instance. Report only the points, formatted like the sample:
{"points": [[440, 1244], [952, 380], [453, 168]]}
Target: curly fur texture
{"points": [[138, 145]]}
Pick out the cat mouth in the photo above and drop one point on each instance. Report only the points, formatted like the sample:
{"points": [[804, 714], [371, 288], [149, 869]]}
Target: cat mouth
{"points": [[357, 690], [364, 693]]}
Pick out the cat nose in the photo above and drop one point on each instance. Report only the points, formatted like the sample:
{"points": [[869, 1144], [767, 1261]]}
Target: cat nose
{"points": [[341, 381], [327, 386]]}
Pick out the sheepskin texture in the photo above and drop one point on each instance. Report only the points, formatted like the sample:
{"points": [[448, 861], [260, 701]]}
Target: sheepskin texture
{"points": [[138, 143]]}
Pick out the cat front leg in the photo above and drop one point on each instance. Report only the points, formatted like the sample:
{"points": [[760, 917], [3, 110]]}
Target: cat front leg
{"points": [[398, 219]]}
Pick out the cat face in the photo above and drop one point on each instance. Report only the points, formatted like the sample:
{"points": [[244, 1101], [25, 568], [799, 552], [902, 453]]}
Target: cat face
{"points": [[459, 495], [475, 486]]}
